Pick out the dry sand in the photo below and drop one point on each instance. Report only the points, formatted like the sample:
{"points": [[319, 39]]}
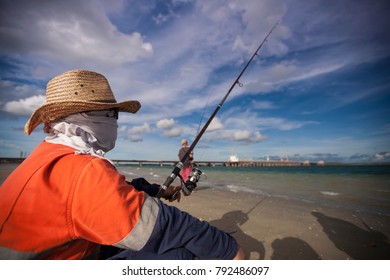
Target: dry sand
{"points": [[280, 229]]}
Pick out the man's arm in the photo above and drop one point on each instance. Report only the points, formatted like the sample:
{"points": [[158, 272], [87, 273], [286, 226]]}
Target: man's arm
{"points": [[141, 184]]}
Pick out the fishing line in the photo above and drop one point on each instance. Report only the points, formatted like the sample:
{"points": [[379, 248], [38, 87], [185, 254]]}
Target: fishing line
{"points": [[201, 119], [200, 123]]}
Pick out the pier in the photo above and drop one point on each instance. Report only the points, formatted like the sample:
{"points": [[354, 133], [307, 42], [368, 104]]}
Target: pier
{"points": [[209, 163], [172, 163], [264, 163], [135, 162]]}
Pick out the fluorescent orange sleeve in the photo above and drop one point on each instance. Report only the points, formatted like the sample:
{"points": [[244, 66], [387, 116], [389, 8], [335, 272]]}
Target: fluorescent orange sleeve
{"points": [[58, 205]]}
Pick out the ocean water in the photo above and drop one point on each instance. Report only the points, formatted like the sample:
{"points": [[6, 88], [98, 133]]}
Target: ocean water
{"points": [[363, 188]]}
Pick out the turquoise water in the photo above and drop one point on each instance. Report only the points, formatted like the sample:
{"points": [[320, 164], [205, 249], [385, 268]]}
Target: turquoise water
{"points": [[360, 188]]}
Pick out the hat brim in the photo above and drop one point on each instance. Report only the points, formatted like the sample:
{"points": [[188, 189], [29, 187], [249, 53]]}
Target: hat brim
{"points": [[51, 112]]}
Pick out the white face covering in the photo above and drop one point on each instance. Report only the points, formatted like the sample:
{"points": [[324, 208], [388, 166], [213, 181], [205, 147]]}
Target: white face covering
{"points": [[93, 132]]}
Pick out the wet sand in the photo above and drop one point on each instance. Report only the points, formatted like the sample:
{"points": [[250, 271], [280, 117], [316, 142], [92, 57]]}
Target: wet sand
{"points": [[280, 229]]}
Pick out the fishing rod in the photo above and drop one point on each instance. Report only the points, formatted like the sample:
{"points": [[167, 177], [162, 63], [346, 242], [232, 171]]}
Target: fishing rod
{"points": [[194, 177]]}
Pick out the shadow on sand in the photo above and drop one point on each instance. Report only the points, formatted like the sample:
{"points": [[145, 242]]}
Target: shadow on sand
{"points": [[231, 222], [291, 248], [358, 243]]}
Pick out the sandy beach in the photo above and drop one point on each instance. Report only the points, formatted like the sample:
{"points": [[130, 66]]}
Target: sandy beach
{"points": [[280, 229], [275, 228]]}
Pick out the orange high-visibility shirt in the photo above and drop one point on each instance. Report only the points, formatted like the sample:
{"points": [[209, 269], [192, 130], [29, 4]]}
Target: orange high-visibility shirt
{"points": [[62, 205]]}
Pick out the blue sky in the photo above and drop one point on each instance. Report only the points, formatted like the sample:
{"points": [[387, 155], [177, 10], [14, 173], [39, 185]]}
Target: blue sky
{"points": [[319, 89]]}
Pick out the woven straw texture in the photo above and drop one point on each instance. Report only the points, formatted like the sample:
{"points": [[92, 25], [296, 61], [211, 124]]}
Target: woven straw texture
{"points": [[77, 91]]}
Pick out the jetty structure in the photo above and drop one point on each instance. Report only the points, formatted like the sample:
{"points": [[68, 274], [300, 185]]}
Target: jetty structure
{"points": [[236, 163], [232, 162]]}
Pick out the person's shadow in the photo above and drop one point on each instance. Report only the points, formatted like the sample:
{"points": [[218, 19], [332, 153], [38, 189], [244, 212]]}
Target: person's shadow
{"points": [[291, 248], [358, 243], [230, 223]]}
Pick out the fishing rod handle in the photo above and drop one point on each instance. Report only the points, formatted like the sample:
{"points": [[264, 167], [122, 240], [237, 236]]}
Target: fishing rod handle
{"points": [[170, 179]]}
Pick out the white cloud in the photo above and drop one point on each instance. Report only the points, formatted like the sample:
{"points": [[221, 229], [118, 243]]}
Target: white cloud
{"points": [[250, 119], [310, 73], [134, 133], [24, 107], [258, 137], [281, 123], [215, 125], [168, 126], [382, 156], [236, 135], [145, 128], [241, 135], [263, 105], [57, 31], [136, 138], [165, 124], [17, 92], [247, 137], [173, 132], [239, 44]]}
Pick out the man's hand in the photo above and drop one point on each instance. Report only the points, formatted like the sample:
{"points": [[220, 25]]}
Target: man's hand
{"points": [[172, 193]]}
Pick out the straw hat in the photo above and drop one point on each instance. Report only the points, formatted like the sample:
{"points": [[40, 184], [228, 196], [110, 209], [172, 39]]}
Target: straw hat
{"points": [[77, 91]]}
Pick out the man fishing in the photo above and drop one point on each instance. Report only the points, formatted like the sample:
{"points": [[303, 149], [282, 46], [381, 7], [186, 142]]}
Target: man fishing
{"points": [[187, 164], [66, 200]]}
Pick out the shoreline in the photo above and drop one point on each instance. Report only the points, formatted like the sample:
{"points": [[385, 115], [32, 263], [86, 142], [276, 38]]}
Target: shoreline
{"points": [[211, 163], [270, 228]]}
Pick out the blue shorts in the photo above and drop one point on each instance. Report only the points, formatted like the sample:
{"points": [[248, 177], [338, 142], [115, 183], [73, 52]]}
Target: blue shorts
{"points": [[178, 235]]}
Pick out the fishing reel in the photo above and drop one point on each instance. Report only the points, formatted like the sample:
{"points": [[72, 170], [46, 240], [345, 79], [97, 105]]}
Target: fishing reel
{"points": [[190, 185]]}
